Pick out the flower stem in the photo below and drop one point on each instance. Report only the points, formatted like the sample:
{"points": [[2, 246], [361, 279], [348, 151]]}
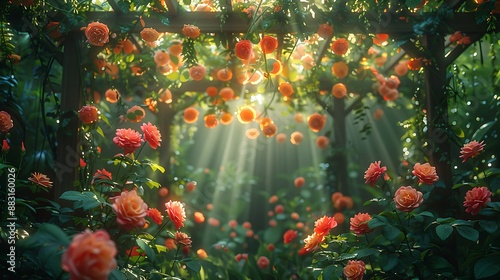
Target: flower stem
{"points": [[369, 257], [175, 259]]}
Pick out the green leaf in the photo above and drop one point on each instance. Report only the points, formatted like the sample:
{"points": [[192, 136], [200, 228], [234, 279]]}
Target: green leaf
{"points": [[489, 226], [479, 134], [152, 184], [365, 252], [439, 264], [100, 132], [272, 235], [391, 233], [155, 167], [487, 266], [376, 222], [145, 247], [388, 261], [456, 186], [444, 231], [458, 132], [194, 266], [72, 195], [468, 233], [413, 3]]}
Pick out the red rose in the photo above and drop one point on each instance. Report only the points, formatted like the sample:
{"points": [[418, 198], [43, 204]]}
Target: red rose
{"points": [[289, 236], [88, 114], [243, 49]]}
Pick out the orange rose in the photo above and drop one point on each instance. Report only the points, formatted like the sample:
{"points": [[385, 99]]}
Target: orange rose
{"points": [[312, 241], [425, 173], [325, 30], [354, 270], [191, 31], [407, 199], [88, 114], [5, 122], [340, 46], [149, 34], [97, 33], [90, 256], [243, 49], [130, 209], [197, 72], [316, 122], [323, 225], [268, 44]]}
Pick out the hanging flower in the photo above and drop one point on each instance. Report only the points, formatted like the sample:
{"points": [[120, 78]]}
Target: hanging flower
{"points": [[316, 122], [112, 95], [127, 139], [359, 223], [354, 270], [268, 44], [289, 236], [299, 182], [161, 58], [243, 49], [135, 113], [426, 173], [407, 198], [191, 115], [246, 114], [471, 149], [90, 256], [199, 217], [322, 142], [40, 179], [155, 215], [149, 35], [296, 137], [130, 209], [339, 90], [340, 69], [5, 122], [323, 225], [325, 30], [151, 135], [97, 34], [202, 254], [176, 213], [197, 72], [476, 199], [373, 173], [191, 31], [285, 89], [210, 120], [340, 46]]}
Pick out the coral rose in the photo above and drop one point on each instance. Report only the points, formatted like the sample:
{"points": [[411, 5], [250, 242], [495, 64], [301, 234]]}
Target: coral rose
{"points": [[130, 209], [323, 225], [40, 179], [151, 134], [268, 44], [149, 34], [471, 149], [289, 236], [312, 241], [101, 174], [426, 173], [322, 142], [373, 173], [5, 122], [263, 262], [354, 270], [128, 140], [155, 215], [97, 33], [243, 49], [407, 199], [90, 256], [183, 239], [191, 31], [359, 223], [197, 72], [176, 213], [476, 199]]}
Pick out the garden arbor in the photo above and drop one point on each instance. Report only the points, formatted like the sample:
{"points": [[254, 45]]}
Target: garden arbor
{"points": [[421, 33]]}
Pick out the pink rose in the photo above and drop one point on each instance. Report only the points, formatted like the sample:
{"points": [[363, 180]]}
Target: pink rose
{"points": [[263, 262], [373, 173], [97, 33], [359, 223], [476, 199]]}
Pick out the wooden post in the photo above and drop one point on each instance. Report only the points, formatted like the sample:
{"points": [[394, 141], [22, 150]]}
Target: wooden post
{"points": [[340, 141], [67, 155]]}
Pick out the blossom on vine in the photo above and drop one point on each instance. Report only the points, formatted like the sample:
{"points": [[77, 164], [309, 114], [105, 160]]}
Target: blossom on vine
{"points": [[161, 58], [263, 262], [325, 30], [40, 179], [191, 115], [155, 215], [471, 149], [101, 174], [407, 198], [91, 255], [476, 199], [312, 241], [183, 239], [128, 139], [246, 114], [339, 90], [268, 44], [340, 46], [354, 270], [373, 173], [286, 89], [296, 137], [425, 173], [243, 49], [316, 122], [149, 35], [322, 142], [191, 31], [323, 225], [112, 95], [5, 122], [130, 209], [359, 223], [289, 236], [176, 213], [340, 69], [197, 72], [97, 34], [151, 134]]}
